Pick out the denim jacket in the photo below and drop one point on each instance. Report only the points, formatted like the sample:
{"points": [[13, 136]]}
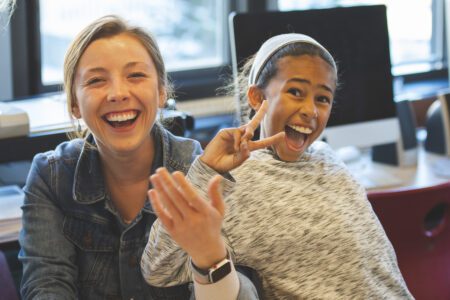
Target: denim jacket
{"points": [[73, 242]]}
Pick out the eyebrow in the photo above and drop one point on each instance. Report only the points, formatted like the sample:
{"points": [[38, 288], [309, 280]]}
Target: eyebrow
{"points": [[302, 80], [134, 63], [94, 70], [128, 65]]}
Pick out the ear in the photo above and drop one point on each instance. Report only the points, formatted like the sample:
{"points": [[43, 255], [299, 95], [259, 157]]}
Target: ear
{"points": [[255, 97], [76, 110], [162, 97]]}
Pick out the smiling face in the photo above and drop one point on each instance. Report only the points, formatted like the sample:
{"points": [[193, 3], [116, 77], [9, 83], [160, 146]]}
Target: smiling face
{"points": [[300, 97], [117, 93]]}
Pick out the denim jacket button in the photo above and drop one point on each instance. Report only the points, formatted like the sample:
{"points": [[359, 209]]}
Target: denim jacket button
{"points": [[132, 261]]}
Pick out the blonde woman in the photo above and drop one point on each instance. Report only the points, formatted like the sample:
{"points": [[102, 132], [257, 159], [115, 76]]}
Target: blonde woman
{"points": [[86, 216]]}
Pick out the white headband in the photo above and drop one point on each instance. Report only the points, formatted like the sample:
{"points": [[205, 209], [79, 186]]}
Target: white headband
{"points": [[272, 45]]}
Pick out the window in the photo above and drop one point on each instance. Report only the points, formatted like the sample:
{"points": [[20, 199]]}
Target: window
{"points": [[189, 33], [416, 32], [192, 35]]}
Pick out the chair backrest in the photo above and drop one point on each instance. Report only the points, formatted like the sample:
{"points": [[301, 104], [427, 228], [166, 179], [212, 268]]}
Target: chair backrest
{"points": [[417, 222], [7, 287]]}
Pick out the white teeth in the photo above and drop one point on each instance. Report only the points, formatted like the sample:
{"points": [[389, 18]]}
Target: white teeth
{"points": [[120, 117], [301, 129]]}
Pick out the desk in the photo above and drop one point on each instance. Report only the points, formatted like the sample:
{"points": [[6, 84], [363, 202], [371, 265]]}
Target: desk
{"points": [[418, 176]]}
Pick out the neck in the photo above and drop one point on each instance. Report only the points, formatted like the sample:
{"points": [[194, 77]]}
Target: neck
{"points": [[127, 178], [130, 167]]}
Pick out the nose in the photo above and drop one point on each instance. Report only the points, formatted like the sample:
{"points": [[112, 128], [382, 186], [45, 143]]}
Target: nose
{"points": [[308, 109], [118, 91]]}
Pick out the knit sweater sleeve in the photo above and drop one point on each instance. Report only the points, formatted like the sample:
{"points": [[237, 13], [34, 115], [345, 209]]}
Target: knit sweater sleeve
{"points": [[200, 174], [163, 262]]}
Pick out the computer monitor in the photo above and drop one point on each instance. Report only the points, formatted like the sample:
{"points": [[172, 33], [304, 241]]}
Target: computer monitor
{"points": [[364, 112]]}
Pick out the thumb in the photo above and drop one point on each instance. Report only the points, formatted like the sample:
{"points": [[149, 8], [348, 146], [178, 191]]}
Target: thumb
{"points": [[215, 194]]}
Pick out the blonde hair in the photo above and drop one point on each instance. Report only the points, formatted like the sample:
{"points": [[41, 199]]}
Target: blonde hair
{"points": [[108, 26]]}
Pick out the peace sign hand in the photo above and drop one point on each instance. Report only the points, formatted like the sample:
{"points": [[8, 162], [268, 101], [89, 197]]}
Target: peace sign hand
{"points": [[232, 146]]}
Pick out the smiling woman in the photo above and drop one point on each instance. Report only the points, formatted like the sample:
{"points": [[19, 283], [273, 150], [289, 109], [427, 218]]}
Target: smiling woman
{"points": [[86, 214], [118, 93]]}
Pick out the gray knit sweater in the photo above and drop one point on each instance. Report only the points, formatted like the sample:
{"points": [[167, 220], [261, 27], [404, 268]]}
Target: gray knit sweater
{"points": [[305, 226]]}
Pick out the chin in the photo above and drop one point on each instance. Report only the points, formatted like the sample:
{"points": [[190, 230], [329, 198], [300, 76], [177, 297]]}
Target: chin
{"points": [[288, 155]]}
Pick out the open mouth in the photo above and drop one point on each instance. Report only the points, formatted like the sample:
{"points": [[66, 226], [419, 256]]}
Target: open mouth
{"points": [[296, 136], [123, 119]]}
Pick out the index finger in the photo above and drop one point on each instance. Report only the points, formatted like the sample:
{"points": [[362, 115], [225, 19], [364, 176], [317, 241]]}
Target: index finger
{"points": [[251, 126], [266, 142]]}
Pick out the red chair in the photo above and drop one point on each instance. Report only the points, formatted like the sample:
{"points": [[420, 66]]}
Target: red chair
{"points": [[417, 222], [7, 287]]}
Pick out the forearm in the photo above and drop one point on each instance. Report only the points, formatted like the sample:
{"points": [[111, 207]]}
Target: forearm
{"points": [[200, 176], [163, 262]]}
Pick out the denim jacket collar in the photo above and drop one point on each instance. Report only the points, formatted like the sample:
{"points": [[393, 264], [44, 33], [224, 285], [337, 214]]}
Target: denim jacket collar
{"points": [[89, 185]]}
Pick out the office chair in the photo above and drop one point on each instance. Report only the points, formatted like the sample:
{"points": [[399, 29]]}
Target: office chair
{"points": [[417, 222], [7, 287]]}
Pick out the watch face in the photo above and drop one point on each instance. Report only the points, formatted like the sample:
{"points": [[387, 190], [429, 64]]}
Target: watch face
{"points": [[221, 272]]}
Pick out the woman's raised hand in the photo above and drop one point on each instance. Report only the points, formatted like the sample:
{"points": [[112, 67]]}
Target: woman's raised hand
{"points": [[193, 223], [232, 146]]}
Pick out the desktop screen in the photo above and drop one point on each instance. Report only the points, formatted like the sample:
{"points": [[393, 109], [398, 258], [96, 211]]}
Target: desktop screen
{"points": [[357, 37]]}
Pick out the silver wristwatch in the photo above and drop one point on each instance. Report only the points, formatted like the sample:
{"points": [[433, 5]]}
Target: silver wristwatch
{"points": [[214, 273]]}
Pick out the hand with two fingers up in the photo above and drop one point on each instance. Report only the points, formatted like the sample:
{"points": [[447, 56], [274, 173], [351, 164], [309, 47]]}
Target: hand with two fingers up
{"points": [[232, 146]]}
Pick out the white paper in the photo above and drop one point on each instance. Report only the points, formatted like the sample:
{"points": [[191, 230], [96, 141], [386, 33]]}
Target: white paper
{"points": [[11, 199]]}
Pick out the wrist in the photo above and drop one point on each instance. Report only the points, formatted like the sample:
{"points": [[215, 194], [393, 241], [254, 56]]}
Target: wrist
{"points": [[206, 260], [213, 165], [206, 161], [214, 273]]}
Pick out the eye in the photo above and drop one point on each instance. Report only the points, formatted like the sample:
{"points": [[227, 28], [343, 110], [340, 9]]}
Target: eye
{"points": [[137, 75], [94, 80], [295, 92], [324, 99]]}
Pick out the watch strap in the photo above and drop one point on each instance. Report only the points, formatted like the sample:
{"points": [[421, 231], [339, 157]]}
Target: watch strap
{"points": [[214, 273]]}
